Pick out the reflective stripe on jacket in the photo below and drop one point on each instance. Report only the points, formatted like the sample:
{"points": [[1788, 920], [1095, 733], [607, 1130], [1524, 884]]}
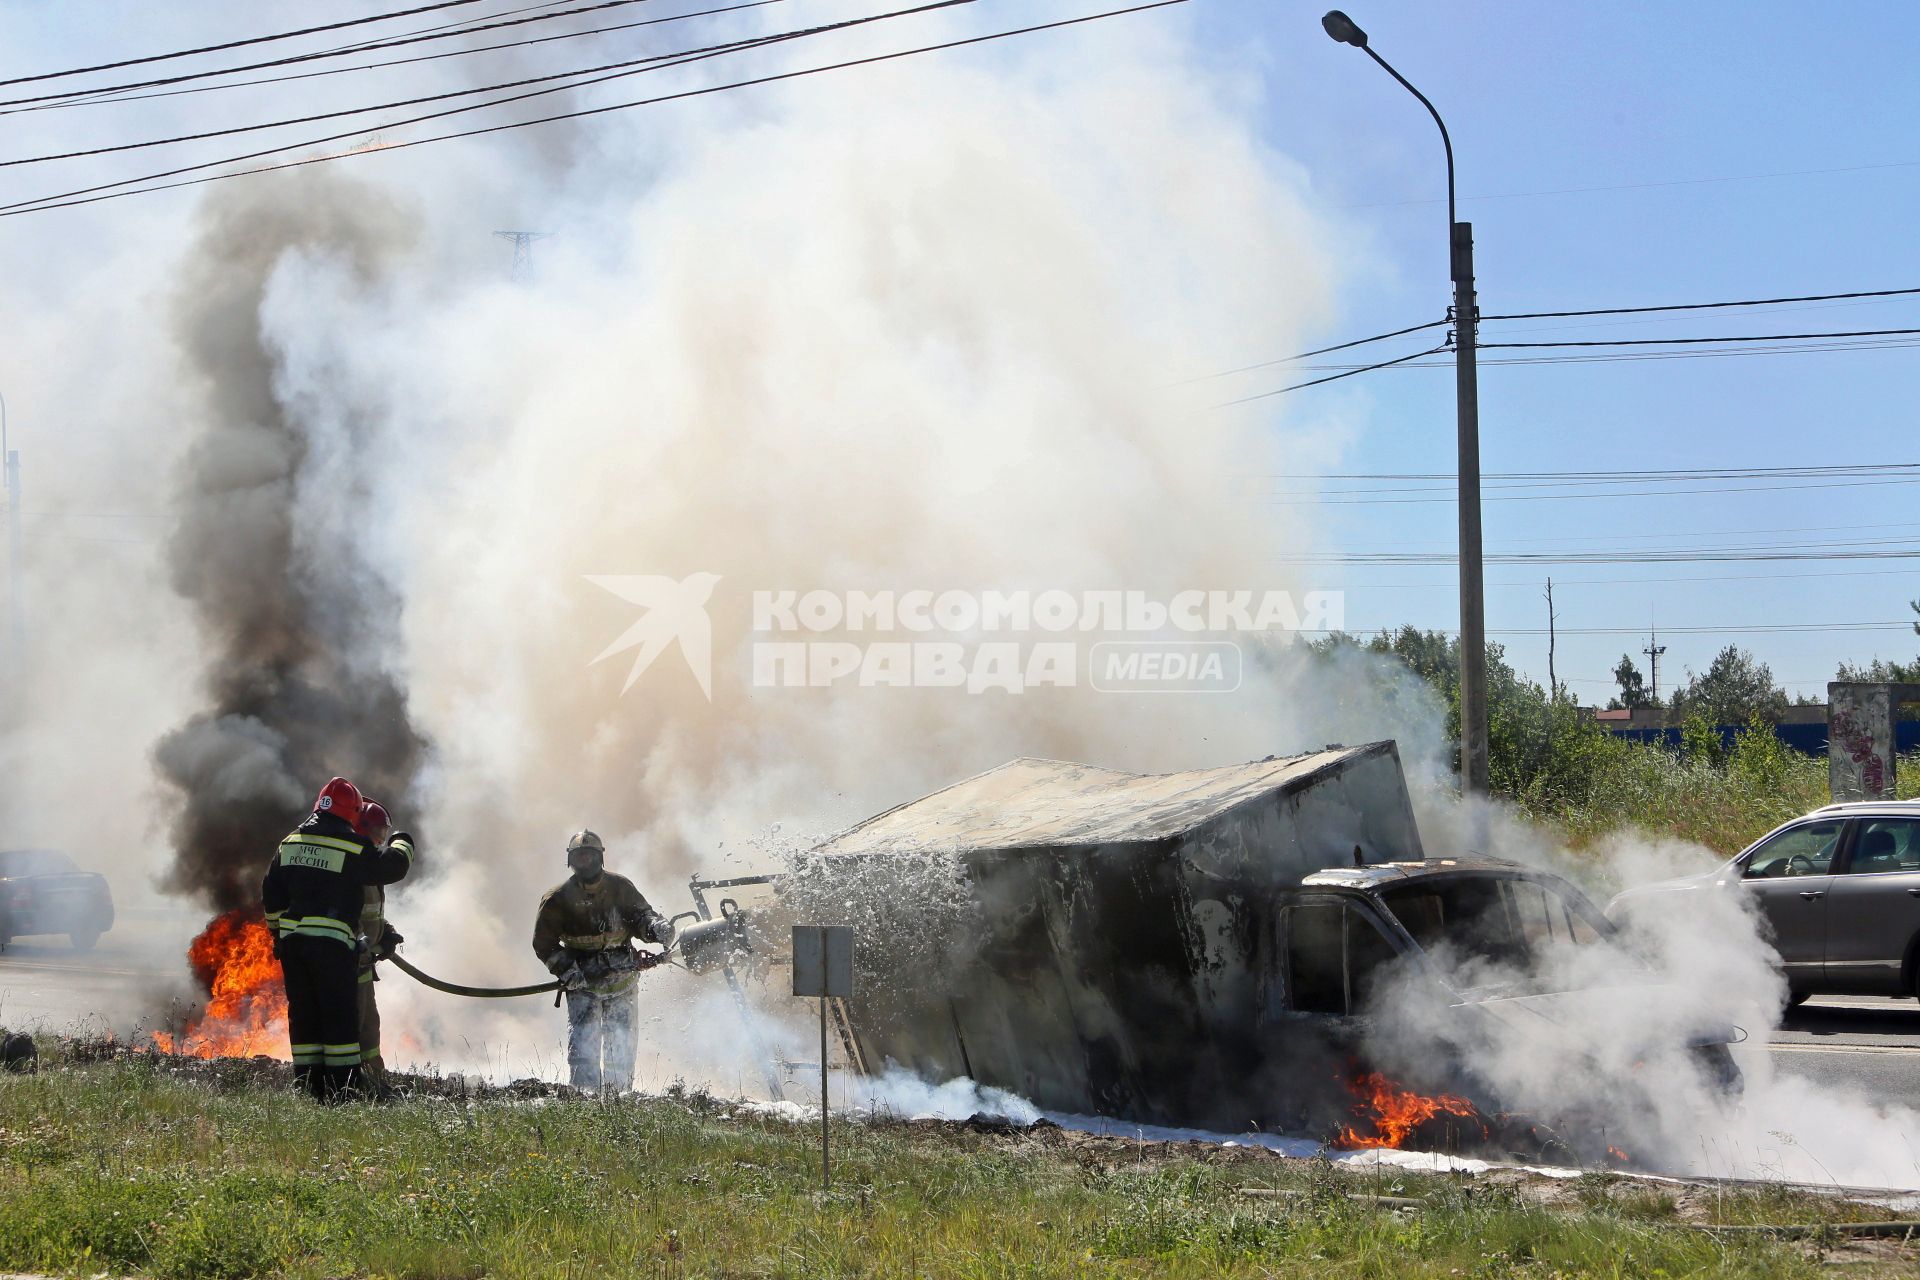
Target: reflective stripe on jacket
{"points": [[316, 885]]}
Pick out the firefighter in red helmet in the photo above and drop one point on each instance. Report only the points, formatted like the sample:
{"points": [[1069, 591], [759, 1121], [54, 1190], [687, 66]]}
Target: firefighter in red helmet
{"points": [[314, 892]]}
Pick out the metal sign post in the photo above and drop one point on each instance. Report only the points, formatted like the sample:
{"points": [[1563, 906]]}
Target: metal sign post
{"points": [[823, 967]]}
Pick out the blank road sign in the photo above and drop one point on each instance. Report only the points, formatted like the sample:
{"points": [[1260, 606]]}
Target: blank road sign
{"points": [[822, 961]]}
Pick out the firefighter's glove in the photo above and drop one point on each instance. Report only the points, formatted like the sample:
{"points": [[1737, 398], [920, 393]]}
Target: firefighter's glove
{"points": [[389, 939], [645, 960], [573, 979]]}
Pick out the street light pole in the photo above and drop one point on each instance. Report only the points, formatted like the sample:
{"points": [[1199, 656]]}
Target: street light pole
{"points": [[1466, 314]]}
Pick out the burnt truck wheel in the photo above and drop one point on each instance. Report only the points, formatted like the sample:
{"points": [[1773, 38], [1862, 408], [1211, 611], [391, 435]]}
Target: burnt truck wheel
{"points": [[84, 939]]}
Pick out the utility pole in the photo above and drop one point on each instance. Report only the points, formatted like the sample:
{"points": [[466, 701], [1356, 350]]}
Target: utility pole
{"points": [[1473, 593], [1653, 651], [1465, 316], [1553, 685], [523, 250]]}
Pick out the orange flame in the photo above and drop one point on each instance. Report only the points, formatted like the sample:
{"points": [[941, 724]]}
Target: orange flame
{"points": [[246, 1014], [1390, 1114]]}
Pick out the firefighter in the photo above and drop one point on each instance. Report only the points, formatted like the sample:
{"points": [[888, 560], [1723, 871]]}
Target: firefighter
{"points": [[584, 934], [313, 895], [377, 939]]}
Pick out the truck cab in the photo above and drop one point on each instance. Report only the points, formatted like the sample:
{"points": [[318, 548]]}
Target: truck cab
{"points": [[1433, 972]]}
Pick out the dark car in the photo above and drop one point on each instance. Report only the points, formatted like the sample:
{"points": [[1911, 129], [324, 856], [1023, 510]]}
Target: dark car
{"points": [[1840, 890], [43, 892]]}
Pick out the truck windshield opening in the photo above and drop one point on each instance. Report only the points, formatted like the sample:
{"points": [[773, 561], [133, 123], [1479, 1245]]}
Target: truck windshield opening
{"points": [[1504, 921]]}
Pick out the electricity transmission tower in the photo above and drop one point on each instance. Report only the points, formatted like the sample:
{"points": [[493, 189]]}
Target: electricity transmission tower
{"points": [[1653, 651], [523, 250]]}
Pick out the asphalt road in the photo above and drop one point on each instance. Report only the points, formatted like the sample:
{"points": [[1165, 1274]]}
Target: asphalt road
{"points": [[129, 981], [1862, 1044], [1857, 1044]]}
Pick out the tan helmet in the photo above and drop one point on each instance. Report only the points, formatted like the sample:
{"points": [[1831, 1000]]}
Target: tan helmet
{"points": [[586, 857]]}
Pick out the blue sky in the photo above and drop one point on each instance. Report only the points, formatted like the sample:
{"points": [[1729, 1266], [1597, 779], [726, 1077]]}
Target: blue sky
{"points": [[1542, 98]]}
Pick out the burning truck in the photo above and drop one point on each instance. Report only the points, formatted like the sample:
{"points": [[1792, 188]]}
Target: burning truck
{"points": [[1264, 946]]}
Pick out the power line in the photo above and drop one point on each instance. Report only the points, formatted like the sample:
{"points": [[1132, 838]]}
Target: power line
{"points": [[1704, 555], [1697, 306], [1755, 629], [664, 61], [1889, 473], [1299, 386], [1645, 186], [110, 94], [688, 54], [1597, 311], [1534, 583], [1321, 351], [1679, 342], [1612, 357], [62, 202], [317, 55], [1701, 473], [399, 62], [1337, 500], [237, 44]]}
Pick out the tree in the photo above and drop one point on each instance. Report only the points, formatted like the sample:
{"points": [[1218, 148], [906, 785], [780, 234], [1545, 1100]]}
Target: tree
{"points": [[1882, 671], [1536, 743], [1633, 687], [1736, 688]]}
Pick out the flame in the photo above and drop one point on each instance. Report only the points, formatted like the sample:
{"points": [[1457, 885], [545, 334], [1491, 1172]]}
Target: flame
{"points": [[1391, 1114], [246, 1013]]}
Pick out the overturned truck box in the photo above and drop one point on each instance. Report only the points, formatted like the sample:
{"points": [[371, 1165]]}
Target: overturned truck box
{"points": [[1124, 958]]}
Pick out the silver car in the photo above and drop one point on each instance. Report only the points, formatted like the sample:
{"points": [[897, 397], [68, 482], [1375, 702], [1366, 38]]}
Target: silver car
{"points": [[1840, 888]]}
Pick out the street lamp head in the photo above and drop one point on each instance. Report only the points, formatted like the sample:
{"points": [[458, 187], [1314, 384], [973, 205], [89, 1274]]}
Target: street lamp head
{"points": [[1344, 29]]}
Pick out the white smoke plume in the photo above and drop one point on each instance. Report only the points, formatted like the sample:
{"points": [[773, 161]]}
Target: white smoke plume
{"points": [[819, 347]]}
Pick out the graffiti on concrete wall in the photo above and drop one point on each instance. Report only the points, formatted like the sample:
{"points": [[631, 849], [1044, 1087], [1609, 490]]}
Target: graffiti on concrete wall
{"points": [[1860, 741]]}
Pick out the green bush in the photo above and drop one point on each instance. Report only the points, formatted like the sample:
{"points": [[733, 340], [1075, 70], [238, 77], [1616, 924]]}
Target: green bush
{"points": [[1564, 769]]}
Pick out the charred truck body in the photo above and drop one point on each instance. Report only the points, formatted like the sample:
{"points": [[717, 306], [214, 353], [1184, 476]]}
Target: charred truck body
{"points": [[1205, 949], [1128, 957]]}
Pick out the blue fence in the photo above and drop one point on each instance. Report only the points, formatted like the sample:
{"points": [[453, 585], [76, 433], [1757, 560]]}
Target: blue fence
{"points": [[1808, 738]]}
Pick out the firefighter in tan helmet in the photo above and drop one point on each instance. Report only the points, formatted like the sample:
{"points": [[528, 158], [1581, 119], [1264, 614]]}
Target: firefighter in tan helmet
{"points": [[584, 934]]}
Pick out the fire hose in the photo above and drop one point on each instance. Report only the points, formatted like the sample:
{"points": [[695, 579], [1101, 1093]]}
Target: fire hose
{"points": [[694, 945], [455, 989], [483, 993]]}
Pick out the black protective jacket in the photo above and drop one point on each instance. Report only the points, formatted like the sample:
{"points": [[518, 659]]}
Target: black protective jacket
{"points": [[316, 885]]}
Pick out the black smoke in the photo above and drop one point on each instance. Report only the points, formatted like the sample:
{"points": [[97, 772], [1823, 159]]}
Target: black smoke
{"points": [[298, 627]]}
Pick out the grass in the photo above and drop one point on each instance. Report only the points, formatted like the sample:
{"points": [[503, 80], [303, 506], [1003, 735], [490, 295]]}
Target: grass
{"points": [[1715, 803], [138, 1165], [1723, 802]]}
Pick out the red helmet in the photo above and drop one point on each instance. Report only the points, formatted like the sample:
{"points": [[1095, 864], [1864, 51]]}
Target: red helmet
{"points": [[373, 819], [341, 799]]}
